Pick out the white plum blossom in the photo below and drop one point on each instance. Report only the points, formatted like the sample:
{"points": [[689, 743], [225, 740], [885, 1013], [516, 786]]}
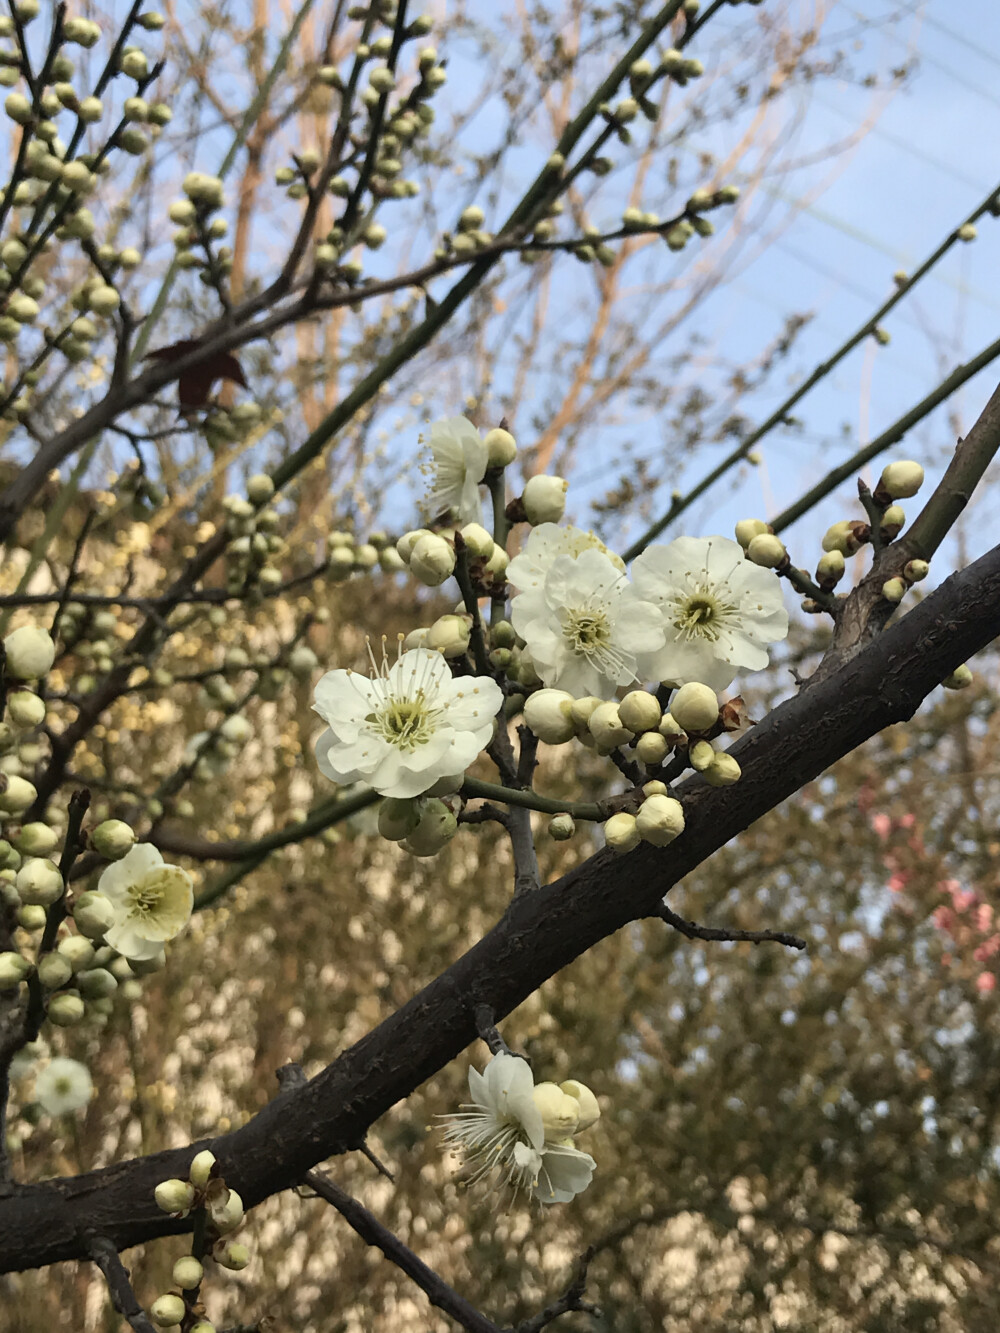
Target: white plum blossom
{"points": [[505, 1133], [457, 465], [62, 1086], [407, 726], [583, 636], [151, 901], [547, 542], [718, 610]]}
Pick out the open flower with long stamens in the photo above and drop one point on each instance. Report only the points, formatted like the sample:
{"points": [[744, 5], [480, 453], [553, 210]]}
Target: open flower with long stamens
{"points": [[582, 635], [152, 902], [544, 545], [521, 1135], [63, 1085], [405, 727], [455, 468], [718, 610]]}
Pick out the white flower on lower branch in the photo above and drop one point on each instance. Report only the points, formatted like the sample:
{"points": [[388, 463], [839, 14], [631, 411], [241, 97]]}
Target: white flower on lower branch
{"points": [[405, 728], [522, 1134]]}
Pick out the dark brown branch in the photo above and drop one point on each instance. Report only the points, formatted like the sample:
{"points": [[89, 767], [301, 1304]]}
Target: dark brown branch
{"points": [[695, 932], [105, 1255], [372, 1232], [570, 1300], [540, 933]]}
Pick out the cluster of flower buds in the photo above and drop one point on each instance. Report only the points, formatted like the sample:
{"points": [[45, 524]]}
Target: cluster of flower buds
{"points": [[255, 544], [198, 231], [431, 556], [422, 825], [204, 1188]]}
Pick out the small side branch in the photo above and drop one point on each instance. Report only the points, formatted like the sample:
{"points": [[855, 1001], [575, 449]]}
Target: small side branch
{"points": [[695, 932], [123, 1298], [571, 1299], [371, 1230], [488, 1031]]}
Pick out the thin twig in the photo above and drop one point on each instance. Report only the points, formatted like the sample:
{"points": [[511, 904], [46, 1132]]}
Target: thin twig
{"points": [[371, 1230], [123, 1298], [696, 932], [488, 1031], [571, 1299]]}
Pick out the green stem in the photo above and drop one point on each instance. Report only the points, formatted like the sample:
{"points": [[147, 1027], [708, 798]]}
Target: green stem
{"points": [[530, 800]]}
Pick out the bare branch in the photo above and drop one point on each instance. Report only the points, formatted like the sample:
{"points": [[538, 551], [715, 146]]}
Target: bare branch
{"points": [[570, 1300], [105, 1255], [693, 931]]}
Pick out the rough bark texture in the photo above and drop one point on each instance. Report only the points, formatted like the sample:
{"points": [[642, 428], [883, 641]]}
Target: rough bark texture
{"points": [[540, 933]]}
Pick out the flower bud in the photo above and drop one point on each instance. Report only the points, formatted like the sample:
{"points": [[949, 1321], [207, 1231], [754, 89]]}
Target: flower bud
{"points": [[830, 569], [652, 748], [959, 679], [695, 707], [841, 537], [498, 562], [589, 1112], [66, 1009], [187, 1272], [202, 1326], [562, 827], [112, 839], [640, 712], [544, 499], [915, 570], [671, 730], [260, 488], [90, 110], [174, 1196], [398, 817], [302, 661], [18, 108], [77, 950], [25, 709], [621, 833], [450, 635], [30, 917], [417, 638], [93, 914], [39, 882], [893, 590], [559, 1111], [203, 189], [606, 726], [501, 447], [13, 970], [167, 1311], [134, 64], [231, 1254], [767, 550], [700, 755], [478, 541], [54, 970], [237, 728], [30, 653], [583, 710], [436, 829], [891, 522], [748, 528], [723, 771], [226, 1211], [967, 232], [900, 480], [16, 794], [432, 560], [660, 820], [97, 983], [549, 714], [201, 1167], [103, 300], [36, 839]]}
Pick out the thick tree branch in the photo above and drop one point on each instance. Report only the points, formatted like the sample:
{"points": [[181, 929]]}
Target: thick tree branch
{"points": [[540, 933]]}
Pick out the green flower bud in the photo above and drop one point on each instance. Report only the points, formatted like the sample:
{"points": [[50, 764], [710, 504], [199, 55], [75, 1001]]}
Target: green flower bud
{"points": [[621, 833], [891, 522], [767, 550], [437, 826], [18, 108], [25, 708], [152, 21], [723, 771], [112, 839], [97, 983], [915, 570], [203, 189], [478, 541], [398, 817], [160, 114], [749, 528], [959, 679], [103, 300], [201, 1167], [652, 748], [544, 499], [167, 1311], [431, 560], [225, 1210], [640, 712], [91, 110], [54, 971], [136, 108], [967, 232], [562, 827], [16, 794], [450, 635], [174, 1196], [549, 715], [13, 970], [36, 839], [78, 951], [701, 755], [607, 728], [187, 1272], [893, 590], [472, 218], [93, 914], [134, 64], [840, 537], [65, 1009], [830, 569], [660, 820], [231, 1254], [31, 917], [22, 308], [900, 481], [81, 31], [374, 235], [695, 707]]}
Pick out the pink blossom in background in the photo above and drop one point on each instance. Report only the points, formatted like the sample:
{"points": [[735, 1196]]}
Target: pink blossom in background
{"points": [[986, 982], [882, 825], [897, 882]]}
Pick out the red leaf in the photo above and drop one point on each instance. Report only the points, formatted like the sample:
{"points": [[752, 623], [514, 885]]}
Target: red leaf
{"points": [[195, 384]]}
